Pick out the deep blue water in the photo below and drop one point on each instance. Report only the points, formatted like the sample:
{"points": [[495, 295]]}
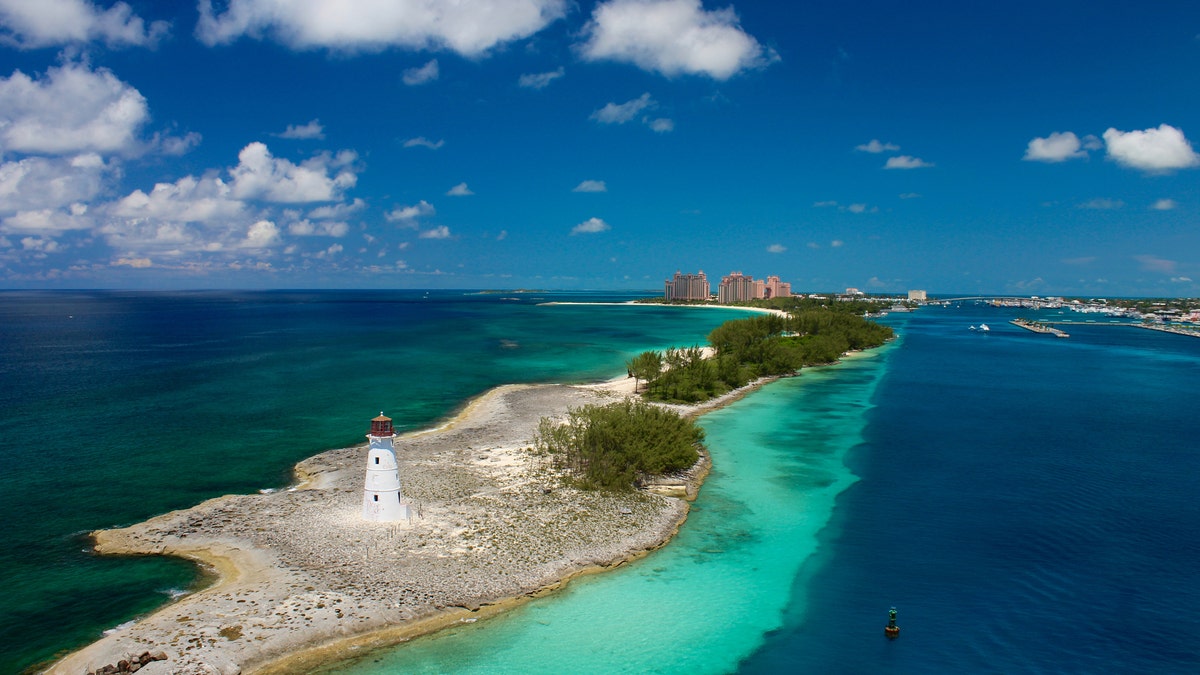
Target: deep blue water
{"points": [[1027, 503]]}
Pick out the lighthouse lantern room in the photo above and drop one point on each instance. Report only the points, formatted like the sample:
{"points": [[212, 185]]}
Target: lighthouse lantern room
{"points": [[382, 501]]}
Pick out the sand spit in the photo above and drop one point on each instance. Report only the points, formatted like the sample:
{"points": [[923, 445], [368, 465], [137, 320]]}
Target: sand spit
{"points": [[301, 578]]}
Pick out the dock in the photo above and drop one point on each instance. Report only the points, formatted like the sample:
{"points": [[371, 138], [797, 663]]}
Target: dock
{"points": [[1039, 328], [1178, 330]]}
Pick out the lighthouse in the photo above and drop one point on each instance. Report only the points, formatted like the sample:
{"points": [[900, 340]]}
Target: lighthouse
{"points": [[382, 501]]}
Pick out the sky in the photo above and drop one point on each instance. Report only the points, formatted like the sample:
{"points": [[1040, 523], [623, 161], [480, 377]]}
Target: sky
{"points": [[1033, 148]]}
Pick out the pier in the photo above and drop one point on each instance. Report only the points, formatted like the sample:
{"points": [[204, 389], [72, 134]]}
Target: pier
{"points": [[1177, 330], [1039, 328]]}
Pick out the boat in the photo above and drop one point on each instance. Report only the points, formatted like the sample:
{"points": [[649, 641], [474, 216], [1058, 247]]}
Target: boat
{"points": [[984, 327]]}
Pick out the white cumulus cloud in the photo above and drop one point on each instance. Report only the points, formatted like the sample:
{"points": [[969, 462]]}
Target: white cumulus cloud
{"points": [[439, 232], [30, 24], [193, 219], [661, 125], [262, 234], [422, 142], [876, 147], [337, 211], [906, 162], [591, 186], [1164, 205], [1161, 149], [312, 130], [591, 226], [72, 109], [407, 215], [468, 27], [620, 113], [672, 37], [1057, 147], [260, 175], [776, 248], [426, 73], [187, 200], [460, 190], [50, 183], [539, 80]]}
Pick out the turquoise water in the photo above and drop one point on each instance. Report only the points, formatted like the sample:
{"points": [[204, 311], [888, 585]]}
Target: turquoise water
{"points": [[704, 602]]}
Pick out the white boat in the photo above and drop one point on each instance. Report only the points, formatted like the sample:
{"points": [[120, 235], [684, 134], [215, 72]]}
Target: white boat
{"points": [[984, 327]]}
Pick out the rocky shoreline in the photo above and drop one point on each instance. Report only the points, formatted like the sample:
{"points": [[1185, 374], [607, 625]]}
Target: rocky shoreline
{"points": [[302, 579]]}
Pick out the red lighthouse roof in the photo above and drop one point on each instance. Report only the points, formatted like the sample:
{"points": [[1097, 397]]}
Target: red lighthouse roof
{"points": [[382, 426]]}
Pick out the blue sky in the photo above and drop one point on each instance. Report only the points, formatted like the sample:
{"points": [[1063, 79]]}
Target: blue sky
{"points": [[1019, 147]]}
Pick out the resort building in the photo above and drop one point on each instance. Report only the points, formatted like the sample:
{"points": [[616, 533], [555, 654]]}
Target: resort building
{"points": [[774, 288], [688, 287], [738, 287], [917, 295]]}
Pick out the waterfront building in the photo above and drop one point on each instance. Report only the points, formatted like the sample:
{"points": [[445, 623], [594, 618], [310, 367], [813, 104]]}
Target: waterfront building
{"points": [[688, 287], [382, 500], [917, 295], [774, 288], [737, 287]]}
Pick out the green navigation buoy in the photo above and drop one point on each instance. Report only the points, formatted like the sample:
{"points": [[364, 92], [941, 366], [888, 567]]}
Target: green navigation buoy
{"points": [[892, 630]]}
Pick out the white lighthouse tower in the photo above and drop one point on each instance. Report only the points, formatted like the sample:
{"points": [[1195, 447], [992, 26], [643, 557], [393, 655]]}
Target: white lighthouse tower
{"points": [[382, 501]]}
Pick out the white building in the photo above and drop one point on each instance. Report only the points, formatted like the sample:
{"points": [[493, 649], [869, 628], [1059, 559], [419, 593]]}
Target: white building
{"points": [[382, 501]]}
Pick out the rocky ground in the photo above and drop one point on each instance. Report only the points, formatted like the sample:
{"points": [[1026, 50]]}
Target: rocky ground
{"points": [[302, 578]]}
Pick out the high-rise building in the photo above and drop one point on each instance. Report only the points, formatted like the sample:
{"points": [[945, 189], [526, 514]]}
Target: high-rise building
{"points": [[774, 288], [688, 287], [736, 287], [917, 295]]}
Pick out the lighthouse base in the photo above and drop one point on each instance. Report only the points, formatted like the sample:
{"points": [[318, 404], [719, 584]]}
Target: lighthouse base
{"points": [[389, 509]]}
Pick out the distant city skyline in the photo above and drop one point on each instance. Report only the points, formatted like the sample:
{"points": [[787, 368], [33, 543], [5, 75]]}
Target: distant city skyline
{"points": [[1027, 148]]}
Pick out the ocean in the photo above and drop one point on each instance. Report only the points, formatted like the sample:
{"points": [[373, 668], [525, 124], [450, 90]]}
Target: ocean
{"points": [[1027, 503]]}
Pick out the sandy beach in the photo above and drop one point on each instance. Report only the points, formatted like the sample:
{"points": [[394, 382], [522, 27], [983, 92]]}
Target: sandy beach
{"points": [[302, 579], [742, 308]]}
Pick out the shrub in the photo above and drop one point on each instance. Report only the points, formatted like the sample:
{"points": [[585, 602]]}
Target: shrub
{"points": [[616, 446]]}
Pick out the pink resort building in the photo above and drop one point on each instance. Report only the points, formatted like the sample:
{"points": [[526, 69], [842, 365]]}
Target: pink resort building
{"points": [[738, 287], [688, 287]]}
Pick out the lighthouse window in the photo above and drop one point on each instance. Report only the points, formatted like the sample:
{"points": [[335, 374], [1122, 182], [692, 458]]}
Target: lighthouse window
{"points": [[376, 497], [376, 460]]}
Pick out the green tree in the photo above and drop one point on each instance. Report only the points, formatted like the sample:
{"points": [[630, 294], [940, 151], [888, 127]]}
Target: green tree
{"points": [[645, 366], [617, 446]]}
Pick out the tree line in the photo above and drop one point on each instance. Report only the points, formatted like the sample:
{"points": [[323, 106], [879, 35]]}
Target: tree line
{"points": [[747, 349], [618, 446]]}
